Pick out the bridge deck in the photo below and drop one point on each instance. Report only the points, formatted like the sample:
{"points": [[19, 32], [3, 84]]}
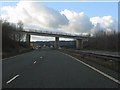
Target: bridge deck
{"points": [[53, 34]]}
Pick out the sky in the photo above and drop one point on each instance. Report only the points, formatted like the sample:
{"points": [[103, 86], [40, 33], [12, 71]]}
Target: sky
{"points": [[90, 8], [64, 17]]}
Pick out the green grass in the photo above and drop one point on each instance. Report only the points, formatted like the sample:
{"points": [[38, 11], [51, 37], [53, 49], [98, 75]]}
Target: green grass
{"points": [[113, 65]]}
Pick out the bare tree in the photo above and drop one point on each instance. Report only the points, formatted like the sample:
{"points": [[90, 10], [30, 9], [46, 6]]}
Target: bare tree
{"points": [[103, 41], [20, 35]]}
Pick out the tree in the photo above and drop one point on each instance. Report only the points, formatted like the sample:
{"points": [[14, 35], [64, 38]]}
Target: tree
{"points": [[103, 41], [20, 25], [20, 35]]}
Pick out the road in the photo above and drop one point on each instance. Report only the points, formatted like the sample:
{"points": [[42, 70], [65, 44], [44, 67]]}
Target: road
{"points": [[50, 69]]}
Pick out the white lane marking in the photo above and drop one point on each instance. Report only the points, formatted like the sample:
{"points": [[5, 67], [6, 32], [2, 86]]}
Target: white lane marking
{"points": [[34, 62], [104, 74], [15, 56], [41, 57], [12, 79], [10, 57]]}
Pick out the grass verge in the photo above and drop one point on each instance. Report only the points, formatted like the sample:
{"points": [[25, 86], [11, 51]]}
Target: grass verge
{"points": [[113, 65]]}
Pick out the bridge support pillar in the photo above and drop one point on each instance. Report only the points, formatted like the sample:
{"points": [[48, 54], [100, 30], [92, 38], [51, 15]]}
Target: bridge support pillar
{"points": [[56, 42], [79, 43], [28, 39]]}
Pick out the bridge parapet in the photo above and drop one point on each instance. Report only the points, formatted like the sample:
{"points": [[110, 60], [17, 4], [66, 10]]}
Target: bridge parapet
{"points": [[54, 34], [79, 39]]}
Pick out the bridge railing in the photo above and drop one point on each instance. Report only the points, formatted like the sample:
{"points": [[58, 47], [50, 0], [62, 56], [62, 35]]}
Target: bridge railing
{"points": [[50, 32], [100, 55]]}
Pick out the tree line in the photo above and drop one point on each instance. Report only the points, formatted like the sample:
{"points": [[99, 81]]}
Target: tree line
{"points": [[104, 41], [12, 40]]}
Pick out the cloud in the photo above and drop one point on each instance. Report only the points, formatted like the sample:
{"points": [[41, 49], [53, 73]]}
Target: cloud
{"points": [[78, 22], [105, 23], [37, 15]]}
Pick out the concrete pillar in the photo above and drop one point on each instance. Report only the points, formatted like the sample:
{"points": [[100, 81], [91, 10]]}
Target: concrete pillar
{"points": [[28, 39], [56, 42], [79, 43]]}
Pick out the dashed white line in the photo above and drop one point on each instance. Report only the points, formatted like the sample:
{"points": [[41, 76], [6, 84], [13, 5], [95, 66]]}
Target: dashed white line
{"points": [[12, 79], [41, 57], [34, 62], [104, 74]]}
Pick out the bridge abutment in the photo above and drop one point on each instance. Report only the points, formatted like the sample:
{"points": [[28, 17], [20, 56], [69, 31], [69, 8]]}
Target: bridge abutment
{"points": [[79, 43], [56, 45], [28, 39]]}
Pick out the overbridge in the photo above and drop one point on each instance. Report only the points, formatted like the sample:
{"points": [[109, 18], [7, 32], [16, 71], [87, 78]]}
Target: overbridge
{"points": [[79, 39]]}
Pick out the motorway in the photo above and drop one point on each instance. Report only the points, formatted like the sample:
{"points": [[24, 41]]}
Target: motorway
{"points": [[50, 69]]}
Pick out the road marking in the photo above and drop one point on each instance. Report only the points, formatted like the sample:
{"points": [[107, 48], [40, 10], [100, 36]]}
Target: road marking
{"points": [[12, 79], [10, 57], [104, 74], [41, 57], [34, 62], [16, 55]]}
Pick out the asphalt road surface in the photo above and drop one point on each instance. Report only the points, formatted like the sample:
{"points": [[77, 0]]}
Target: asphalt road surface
{"points": [[50, 69]]}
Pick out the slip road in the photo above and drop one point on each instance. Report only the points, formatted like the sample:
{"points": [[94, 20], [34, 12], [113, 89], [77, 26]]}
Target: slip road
{"points": [[51, 69]]}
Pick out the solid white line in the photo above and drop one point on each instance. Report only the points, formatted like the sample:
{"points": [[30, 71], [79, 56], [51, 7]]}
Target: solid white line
{"points": [[10, 57], [34, 62], [15, 56], [12, 79], [104, 74]]}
